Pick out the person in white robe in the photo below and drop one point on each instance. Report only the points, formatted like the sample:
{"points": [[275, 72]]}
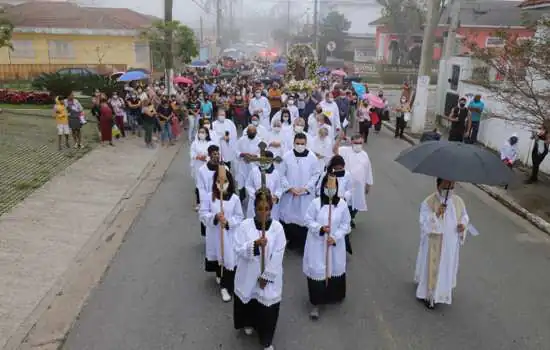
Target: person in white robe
{"points": [[273, 183], [326, 283], [262, 132], [443, 221], [322, 145], [300, 173], [214, 136], [299, 126], [205, 177], [276, 142], [331, 110], [247, 151], [283, 115], [260, 106], [258, 293], [291, 106], [228, 141], [199, 156], [220, 232]]}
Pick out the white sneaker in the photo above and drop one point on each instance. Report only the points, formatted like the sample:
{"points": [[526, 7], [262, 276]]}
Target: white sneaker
{"points": [[226, 297], [218, 281], [271, 347], [248, 330]]}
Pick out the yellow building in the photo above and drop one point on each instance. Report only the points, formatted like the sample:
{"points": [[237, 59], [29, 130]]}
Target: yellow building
{"points": [[50, 35]]}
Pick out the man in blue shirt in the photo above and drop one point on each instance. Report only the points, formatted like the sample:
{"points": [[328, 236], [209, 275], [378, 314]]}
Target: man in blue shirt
{"points": [[476, 108]]}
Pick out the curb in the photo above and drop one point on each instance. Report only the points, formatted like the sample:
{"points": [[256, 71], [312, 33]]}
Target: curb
{"points": [[47, 327], [508, 202]]}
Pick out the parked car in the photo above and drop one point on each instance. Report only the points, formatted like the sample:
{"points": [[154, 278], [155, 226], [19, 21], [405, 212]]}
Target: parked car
{"points": [[77, 71]]}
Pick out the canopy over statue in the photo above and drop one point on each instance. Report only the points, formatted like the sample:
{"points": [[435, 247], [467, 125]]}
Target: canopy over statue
{"points": [[302, 63]]}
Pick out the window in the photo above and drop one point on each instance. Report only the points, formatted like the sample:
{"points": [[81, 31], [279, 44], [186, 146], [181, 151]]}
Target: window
{"points": [[60, 49], [22, 48], [494, 41], [141, 51], [455, 77]]}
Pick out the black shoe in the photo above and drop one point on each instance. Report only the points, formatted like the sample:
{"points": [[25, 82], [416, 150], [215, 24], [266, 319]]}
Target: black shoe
{"points": [[352, 224]]}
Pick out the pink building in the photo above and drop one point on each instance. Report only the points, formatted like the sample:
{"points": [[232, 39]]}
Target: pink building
{"points": [[479, 22]]}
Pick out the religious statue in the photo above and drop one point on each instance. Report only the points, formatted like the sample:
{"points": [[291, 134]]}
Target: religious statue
{"points": [[302, 62]]}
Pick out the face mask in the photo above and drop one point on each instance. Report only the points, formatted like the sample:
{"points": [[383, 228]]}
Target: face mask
{"points": [[277, 129], [447, 193], [357, 148], [285, 118], [265, 166], [300, 148], [462, 105], [207, 126], [403, 100], [290, 103], [221, 118], [258, 95], [299, 128], [252, 136], [255, 122], [339, 173], [330, 192], [319, 111], [224, 187], [202, 136]]}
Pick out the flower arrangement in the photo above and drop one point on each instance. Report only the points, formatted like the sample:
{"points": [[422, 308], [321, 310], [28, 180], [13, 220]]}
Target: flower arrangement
{"points": [[304, 55], [301, 85]]}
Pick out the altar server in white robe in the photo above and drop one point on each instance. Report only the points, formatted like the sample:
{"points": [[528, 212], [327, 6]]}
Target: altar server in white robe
{"points": [[291, 106], [359, 166], [276, 142], [258, 294], [221, 224], [205, 177], [227, 131], [300, 173], [261, 130], [273, 183], [317, 119], [324, 262], [214, 136], [331, 110], [260, 106], [299, 125], [284, 117], [322, 145], [247, 151], [443, 222], [199, 156]]}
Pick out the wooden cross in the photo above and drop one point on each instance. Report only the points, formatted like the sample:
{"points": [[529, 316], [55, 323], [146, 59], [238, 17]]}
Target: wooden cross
{"points": [[265, 162]]}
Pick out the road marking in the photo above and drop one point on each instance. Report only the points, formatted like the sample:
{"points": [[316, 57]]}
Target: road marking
{"points": [[384, 327]]}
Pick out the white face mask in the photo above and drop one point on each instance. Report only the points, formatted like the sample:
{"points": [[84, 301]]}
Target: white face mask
{"points": [[403, 100], [207, 126], [298, 128], [255, 122], [277, 129], [201, 135], [300, 148], [224, 187], [258, 95], [357, 148], [446, 194], [290, 102], [330, 192], [221, 118], [285, 118]]}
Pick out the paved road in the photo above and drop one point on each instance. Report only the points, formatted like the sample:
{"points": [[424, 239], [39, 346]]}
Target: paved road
{"points": [[156, 296]]}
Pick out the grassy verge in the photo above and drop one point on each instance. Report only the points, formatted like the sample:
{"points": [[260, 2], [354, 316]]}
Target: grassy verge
{"points": [[24, 106], [29, 155]]}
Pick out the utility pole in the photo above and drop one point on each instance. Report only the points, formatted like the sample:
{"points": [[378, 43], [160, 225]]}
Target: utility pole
{"points": [[420, 107], [316, 26], [168, 38], [288, 25], [219, 25], [448, 52], [201, 31], [231, 21]]}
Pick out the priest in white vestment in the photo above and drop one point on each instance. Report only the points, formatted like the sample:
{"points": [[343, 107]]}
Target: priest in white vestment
{"points": [[322, 145], [300, 173], [258, 294], [273, 183], [326, 275], [443, 222], [260, 106], [276, 142], [331, 110], [221, 221], [227, 131], [247, 151]]}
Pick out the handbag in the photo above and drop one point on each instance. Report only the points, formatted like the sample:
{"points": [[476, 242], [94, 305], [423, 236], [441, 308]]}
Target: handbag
{"points": [[407, 116], [82, 118]]}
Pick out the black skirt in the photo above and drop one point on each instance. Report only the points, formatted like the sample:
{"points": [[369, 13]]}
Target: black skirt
{"points": [[261, 318], [321, 294], [227, 277], [296, 236]]}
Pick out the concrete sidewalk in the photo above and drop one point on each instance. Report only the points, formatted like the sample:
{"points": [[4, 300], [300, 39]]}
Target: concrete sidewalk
{"points": [[41, 237]]}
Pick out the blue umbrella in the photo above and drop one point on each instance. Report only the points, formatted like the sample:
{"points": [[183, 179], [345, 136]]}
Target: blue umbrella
{"points": [[133, 75], [323, 70], [280, 65], [198, 64]]}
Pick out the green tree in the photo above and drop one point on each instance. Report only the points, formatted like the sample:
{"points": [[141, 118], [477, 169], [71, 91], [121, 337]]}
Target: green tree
{"points": [[523, 68], [183, 48], [6, 30], [335, 28], [403, 17]]}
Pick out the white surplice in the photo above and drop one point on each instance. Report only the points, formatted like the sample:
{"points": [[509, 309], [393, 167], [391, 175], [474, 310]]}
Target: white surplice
{"points": [[322, 149], [228, 149], [249, 265], [262, 104], [246, 145], [447, 267], [277, 137], [359, 166], [205, 180], [345, 188], [233, 213], [198, 148], [299, 172], [254, 182], [261, 131], [332, 111], [314, 261]]}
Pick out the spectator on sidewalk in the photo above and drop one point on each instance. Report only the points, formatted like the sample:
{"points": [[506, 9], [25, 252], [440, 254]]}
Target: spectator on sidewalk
{"points": [[475, 107], [149, 115], [540, 150], [105, 121], [62, 121], [75, 110], [403, 116], [117, 104], [459, 118]]}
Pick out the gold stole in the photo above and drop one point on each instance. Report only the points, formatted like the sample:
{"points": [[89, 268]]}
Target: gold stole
{"points": [[435, 240]]}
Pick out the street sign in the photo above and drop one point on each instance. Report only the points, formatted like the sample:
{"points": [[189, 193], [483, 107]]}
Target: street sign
{"points": [[331, 46]]}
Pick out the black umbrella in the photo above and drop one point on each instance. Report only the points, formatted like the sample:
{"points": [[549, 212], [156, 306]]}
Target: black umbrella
{"points": [[456, 161]]}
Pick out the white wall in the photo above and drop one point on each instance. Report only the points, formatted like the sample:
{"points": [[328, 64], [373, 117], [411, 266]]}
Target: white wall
{"points": [[494, 132]]}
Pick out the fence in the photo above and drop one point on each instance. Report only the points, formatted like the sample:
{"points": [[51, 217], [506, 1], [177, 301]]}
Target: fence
{"points": [[18, 72]]}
